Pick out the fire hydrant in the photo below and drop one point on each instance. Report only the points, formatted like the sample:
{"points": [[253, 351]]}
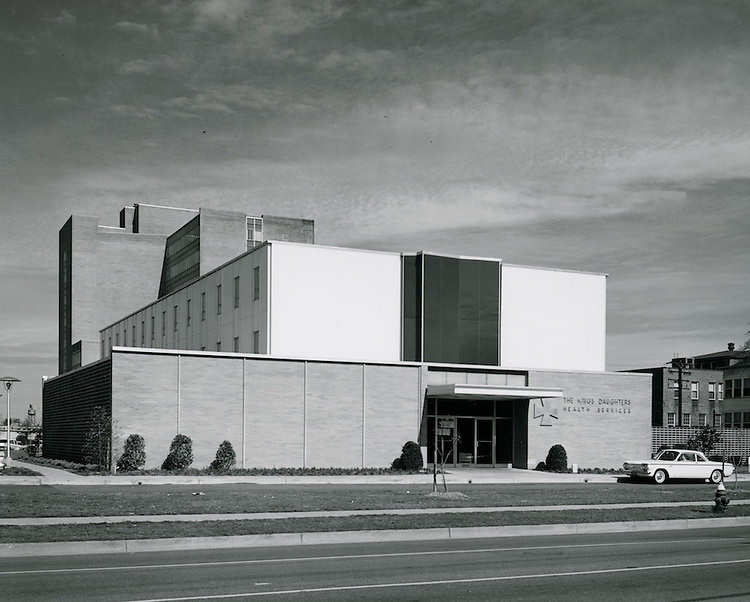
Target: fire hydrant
{"points": [[720, 499]]}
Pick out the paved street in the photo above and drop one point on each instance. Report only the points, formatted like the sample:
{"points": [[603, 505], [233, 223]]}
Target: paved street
{"points": [[693, 565]]}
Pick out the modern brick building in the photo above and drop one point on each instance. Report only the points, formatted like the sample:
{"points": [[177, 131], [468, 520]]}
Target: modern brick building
{"points": [[307, 355]]}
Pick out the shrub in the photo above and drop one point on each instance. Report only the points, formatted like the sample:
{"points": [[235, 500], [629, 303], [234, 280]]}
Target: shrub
{"points": [[557, 459], [225, 457], [134, 454], [411, 457], [397, 464], [180, 453]]}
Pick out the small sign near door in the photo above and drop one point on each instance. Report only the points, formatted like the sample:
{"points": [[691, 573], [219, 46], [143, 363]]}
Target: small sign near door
{"points": [[445, 427]]}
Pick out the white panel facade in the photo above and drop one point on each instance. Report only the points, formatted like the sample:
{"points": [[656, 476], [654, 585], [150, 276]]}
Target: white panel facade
{"points": [[335, 303], [552, 319]]}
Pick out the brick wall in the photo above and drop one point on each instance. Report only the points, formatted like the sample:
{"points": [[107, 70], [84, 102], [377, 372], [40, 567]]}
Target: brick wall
{"points": [[603, 419], [276, 413]]}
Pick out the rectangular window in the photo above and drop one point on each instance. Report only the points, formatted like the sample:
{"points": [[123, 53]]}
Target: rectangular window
{"points": [[203, 307], [125, 337], [188, 312], [218, 299], [143, 333], [256, 341], [686, 420], [728, 420], [717, 421], [256, 283], [701, 420], [236, 344], [153, 328], [102, 352], [736, 419], [174, 324], [134, 335], [218, 346], [693, 390], [164, 323], [746, 387], [711, 391], [671, 419], [746, 420], [109, 343], [728, 388], [117, 339], [236, 292], [720, 388], [737, 388]]}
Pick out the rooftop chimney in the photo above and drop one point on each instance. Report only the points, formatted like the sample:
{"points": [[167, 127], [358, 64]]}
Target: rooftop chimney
{"points": [[730, 346]]}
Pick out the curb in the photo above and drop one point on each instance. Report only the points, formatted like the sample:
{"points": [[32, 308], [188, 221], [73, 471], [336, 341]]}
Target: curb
{"points": [[341, 537]]}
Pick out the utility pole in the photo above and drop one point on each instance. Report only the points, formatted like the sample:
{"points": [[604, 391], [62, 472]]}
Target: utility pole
{"points": [[680, 365]]}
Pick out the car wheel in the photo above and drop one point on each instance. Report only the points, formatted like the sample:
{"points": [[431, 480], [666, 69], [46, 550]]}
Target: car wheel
{"points": [[660, 476], [716, 477]]}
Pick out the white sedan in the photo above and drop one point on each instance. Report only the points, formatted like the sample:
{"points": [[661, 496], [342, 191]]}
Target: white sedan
{"points": [[679, 464]]}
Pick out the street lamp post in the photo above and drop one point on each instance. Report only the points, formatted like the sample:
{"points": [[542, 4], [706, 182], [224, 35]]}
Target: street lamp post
{"points": [[8, 382]]}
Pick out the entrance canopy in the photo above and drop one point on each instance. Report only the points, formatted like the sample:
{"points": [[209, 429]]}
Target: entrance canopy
{"points": [[504, 392]]}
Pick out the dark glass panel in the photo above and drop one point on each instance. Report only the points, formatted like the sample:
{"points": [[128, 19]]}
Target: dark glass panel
{"points": [[504, 441], [504, 409], [489, 290], [469, 276], [469, 350], [412, 274], [432, 303], [449, 294]]}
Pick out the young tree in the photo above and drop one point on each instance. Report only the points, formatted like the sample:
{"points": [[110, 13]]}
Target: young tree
{"points": [[705, 441], [180, 453], [134, 454], [225, 457], [97, 447]]}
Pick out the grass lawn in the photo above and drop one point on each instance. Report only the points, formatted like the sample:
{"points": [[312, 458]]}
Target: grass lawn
{"points": [[105, 500], [38, 501], [48, 533]]}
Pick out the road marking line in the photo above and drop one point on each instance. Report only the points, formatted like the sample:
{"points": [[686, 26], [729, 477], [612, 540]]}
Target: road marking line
{"points": [[360, 556], [314, 590]]}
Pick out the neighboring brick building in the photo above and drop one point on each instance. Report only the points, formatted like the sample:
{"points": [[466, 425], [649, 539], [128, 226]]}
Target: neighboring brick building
{"points": [[695, 391], [307, 355]]}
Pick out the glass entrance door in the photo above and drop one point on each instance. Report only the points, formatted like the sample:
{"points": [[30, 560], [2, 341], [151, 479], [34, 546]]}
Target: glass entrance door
{"points": [[483, 453]]}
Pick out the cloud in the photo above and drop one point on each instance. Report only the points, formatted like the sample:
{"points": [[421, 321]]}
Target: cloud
{"points": [[164, 62], [138, 28], [64, 18], [137, 111], [228, 99]]}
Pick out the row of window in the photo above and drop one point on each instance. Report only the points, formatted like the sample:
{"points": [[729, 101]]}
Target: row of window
{"points": [[236, 341], [734, 388], [737, 420], [687, 419], [715, 390], [189, 317], [737, 387]]}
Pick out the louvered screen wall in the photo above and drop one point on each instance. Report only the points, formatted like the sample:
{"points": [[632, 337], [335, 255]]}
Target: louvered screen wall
{"points": [[68, 401]]}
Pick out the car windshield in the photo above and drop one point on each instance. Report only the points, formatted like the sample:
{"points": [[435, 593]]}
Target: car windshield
{"points": [[668, 455]]}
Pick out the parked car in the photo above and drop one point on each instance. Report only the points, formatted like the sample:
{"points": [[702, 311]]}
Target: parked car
{"points": [[679, 464]]}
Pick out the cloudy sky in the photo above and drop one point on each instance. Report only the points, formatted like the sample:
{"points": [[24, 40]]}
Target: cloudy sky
{"points": [[600, 136]]}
